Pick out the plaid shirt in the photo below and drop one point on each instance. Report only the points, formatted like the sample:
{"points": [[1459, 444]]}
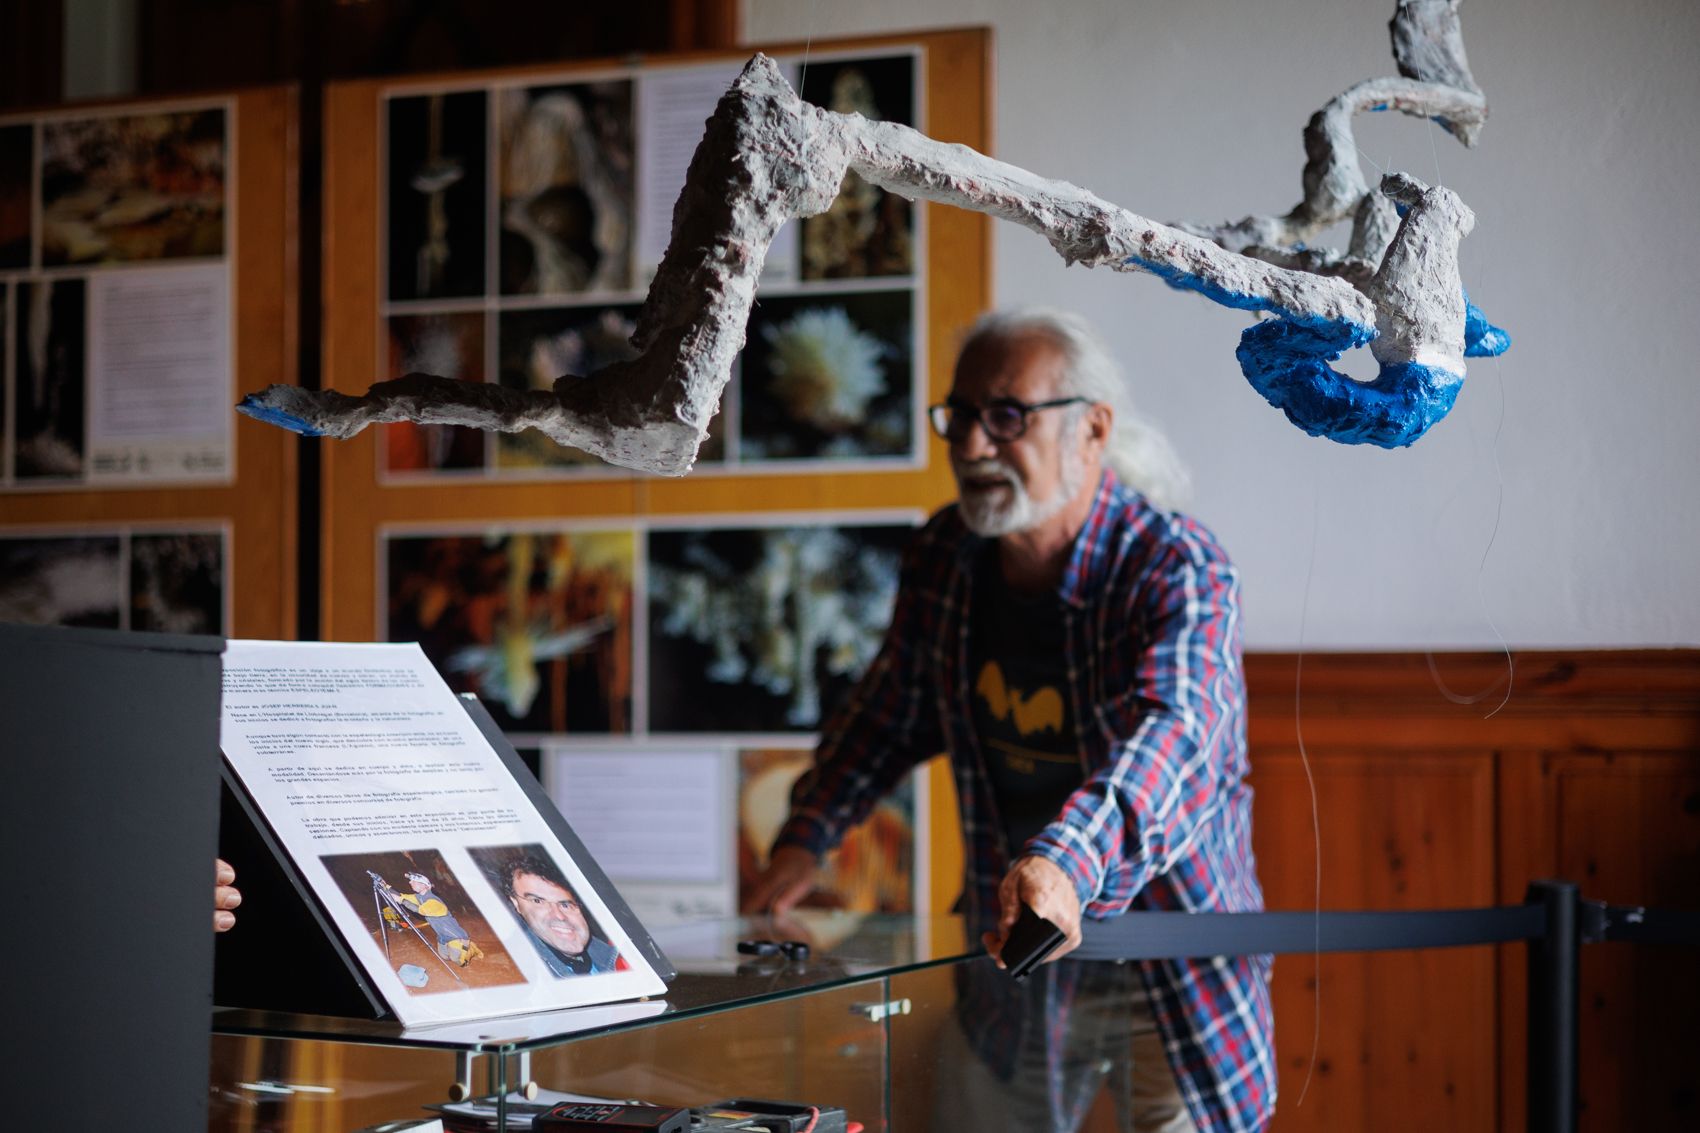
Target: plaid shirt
{"points": [[1163, 817]]}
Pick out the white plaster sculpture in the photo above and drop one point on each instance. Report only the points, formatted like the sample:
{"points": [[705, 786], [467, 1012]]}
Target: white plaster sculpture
{"points": [[767, 157], [1436, 83]]}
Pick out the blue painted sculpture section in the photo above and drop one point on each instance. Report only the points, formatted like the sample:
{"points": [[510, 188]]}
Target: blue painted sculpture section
{"points": [[1288, 364], [1481, 338], [1287, 361], [254, 407], [1215, 292]]}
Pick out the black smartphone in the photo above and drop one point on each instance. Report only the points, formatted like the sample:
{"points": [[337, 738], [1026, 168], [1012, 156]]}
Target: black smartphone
{"points": [[1030, 940]]}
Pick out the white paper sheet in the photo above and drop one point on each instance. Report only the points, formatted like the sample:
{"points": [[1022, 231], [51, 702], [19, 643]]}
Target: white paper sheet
{"points": [[673, 107], [647, 815], [159, 370], [361, 759], [662, 905]]}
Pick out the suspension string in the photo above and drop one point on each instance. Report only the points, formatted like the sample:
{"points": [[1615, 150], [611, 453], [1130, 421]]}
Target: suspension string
{"points": [[1379, 168], [803, 76], [1481, 567], [1310, 781], [1481, 581]]}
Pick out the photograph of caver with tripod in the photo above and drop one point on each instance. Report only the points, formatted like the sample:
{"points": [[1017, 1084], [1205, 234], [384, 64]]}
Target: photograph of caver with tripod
{"points": [[432, 934]]}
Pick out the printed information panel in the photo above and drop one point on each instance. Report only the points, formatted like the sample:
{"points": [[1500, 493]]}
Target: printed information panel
{"points": [[449, 887]]}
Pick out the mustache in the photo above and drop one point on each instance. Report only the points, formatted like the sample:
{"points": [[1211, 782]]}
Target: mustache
{"points": [[985, 469]]}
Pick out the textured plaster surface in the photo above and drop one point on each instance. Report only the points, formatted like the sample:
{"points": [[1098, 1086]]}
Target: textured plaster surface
{"points": [[767, 157]]}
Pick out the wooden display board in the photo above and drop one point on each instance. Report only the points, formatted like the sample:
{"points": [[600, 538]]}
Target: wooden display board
{"points": [[147, 281], [426, 260]]}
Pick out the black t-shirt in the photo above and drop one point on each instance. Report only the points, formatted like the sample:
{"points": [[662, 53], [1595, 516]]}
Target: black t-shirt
{"points": [[1020, 695]]}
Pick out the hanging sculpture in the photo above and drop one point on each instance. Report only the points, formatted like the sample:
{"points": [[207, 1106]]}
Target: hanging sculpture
{"points": [[767, 156]]}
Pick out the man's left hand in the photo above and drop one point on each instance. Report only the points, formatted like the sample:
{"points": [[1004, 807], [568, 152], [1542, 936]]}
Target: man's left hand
{"points": [[1043, 885], [225, 896]]}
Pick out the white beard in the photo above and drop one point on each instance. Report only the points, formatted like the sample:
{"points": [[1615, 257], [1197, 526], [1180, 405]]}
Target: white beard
{"points": [[990, 515]]}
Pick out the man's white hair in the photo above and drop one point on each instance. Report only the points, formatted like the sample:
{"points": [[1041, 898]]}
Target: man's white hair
{"points": [[1138, 453]]}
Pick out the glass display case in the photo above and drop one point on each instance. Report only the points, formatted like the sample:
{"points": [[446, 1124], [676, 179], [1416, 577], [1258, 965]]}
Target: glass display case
{"points": [[855, 1023]]}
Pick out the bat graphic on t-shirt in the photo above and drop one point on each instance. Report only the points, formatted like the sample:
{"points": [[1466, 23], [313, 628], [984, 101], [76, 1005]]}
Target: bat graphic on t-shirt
{"points": [[1038, 711]]}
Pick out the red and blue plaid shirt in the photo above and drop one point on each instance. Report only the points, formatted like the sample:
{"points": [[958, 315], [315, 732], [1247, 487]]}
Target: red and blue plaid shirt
{"points": [[1162, 819]]}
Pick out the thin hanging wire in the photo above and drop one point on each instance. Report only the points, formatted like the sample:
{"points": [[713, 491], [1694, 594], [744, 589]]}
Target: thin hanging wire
{"points": [[1315, 814], [1509, 679], [1481, 584]]}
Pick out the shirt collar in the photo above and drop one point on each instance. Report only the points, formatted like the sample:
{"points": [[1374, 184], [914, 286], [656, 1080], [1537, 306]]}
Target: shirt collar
{"points": [[1085, 559]]}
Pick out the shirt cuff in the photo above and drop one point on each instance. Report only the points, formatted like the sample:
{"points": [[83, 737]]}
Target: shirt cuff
{"points": [[1073, 853], [806, 832]]}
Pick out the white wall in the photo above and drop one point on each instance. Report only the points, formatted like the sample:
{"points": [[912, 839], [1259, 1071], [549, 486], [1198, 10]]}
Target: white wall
{"points": [[1585, 184]]}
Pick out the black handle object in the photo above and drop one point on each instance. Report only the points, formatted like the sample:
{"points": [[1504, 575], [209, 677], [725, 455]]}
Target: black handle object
{"points": [[1030, 940]]}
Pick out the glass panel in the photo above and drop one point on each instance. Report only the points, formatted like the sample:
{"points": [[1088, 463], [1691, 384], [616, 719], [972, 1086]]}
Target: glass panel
{"points": [[823, 1049], [1057, 1051], [262, 1084], [713, 976]]}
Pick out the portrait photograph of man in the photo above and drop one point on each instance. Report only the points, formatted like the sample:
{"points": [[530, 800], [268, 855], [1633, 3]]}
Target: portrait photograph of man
{"points": [[553, 918]]}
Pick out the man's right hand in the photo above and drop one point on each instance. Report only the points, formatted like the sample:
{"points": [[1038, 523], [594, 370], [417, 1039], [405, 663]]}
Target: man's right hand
{"points": [[789, 877]]}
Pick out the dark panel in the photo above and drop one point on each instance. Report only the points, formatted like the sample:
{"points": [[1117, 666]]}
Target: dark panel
{"points": [[108, 823], [207, 44], [32, 53]]}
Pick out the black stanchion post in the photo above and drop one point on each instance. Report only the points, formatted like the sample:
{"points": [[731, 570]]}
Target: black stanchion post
{"points": [[1554, 1009]]}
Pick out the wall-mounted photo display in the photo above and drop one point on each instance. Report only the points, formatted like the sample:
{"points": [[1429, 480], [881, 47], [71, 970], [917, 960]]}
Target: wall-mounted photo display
{"points": [[867, 232], [537, 623], [567, 199], [17, 173], [584, 176], [49, 393], [655, 817], [115, 254], [872, 871], [177, 581], [123, 188], [761, 629], [162, 580], [829, 377], [684, 829], [66, 580], [436, 202], [733, 627]]}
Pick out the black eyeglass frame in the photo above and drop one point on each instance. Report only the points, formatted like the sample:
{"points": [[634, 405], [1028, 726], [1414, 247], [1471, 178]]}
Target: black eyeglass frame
{"points": [[951, 415]]}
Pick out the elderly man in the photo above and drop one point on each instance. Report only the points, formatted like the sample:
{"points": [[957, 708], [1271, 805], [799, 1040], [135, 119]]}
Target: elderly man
{"points": [[1075, 650], [555, 921]]}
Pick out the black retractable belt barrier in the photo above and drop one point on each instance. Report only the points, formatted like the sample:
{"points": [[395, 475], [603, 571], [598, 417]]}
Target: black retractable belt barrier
{"points": [[1553, 919], [1173, 936]]}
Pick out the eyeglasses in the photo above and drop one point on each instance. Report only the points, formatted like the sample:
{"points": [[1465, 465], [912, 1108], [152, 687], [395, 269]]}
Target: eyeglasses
{"points": [[1004, 419]]}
